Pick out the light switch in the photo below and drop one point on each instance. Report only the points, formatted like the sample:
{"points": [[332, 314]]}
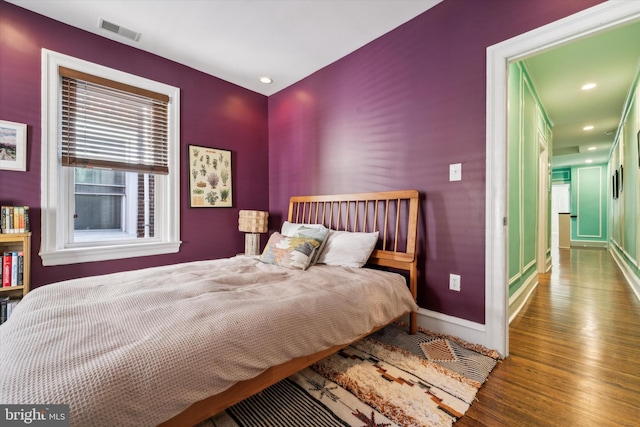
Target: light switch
{"points": [[455, 172]]}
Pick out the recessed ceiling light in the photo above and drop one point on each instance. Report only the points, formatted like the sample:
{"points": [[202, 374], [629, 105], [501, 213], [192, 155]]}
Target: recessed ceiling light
{"points": [[591, 148], [266, 80], [588, 161], [589, 86], [590, 127]]}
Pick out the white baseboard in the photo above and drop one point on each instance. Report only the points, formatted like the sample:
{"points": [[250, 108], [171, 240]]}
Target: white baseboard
{"points": [[521, 296], [629, 275], [471, 332], [588, 244]]}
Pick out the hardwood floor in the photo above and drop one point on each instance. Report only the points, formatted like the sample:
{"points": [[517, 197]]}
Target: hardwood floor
{"points": [[574, 352]]}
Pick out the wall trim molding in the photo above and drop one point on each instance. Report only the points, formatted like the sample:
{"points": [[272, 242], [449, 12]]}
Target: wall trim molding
{"points": [[629, 275], [528, 266], [580, 170], [515, 278], [588, 244], [622, 251], [522, 295], [449, 325]]}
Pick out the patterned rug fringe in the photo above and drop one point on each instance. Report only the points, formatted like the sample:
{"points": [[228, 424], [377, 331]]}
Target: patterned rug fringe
{"points": [[425, 362], [474, 347], [375, 400]]}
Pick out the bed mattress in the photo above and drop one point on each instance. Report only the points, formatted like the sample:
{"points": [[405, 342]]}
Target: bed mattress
{"points": [[136, 348]]}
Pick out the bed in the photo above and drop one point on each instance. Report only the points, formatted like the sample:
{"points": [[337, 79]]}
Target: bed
{"points": [[174, 345]]}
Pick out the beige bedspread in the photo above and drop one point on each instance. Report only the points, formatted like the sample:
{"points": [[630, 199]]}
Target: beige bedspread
{"points": [[136, 348]]}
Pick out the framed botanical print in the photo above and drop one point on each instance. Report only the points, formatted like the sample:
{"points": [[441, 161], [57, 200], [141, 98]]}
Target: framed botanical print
{"points": [[210, 177]]}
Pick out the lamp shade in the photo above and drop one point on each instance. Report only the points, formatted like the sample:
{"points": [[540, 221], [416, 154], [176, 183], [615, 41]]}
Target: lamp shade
{"points": [[253, 221]]}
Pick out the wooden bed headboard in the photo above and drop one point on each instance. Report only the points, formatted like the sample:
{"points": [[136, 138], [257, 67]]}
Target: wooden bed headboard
{"points": [[394, 214]]}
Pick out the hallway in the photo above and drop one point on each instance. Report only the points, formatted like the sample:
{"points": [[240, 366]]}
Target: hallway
{"points": [[575, 351]]}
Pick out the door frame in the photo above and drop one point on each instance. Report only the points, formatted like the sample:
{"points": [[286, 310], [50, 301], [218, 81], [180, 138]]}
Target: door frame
{"points": [[543, 202], [598, 18]]}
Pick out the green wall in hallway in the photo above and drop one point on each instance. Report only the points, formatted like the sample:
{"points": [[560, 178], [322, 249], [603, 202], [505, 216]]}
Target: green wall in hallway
{"points": [[528, 125], [624, 239], [589, 187], [589, 190]]}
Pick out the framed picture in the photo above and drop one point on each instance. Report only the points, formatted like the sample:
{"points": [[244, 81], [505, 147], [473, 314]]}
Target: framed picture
{"points": [[621, 182], [638, 140], [13, 146], [209, 177]]}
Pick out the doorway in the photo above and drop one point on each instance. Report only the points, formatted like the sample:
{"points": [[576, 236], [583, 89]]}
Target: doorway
{"points": [[598, 18], [560, 204], [543, 204]]}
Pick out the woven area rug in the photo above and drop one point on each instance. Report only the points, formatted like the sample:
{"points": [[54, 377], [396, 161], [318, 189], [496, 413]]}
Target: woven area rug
{"points": [[390, 378]]}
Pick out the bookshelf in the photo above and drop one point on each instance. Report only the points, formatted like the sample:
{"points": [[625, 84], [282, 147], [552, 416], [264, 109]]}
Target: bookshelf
{"points": [[17, 242]]}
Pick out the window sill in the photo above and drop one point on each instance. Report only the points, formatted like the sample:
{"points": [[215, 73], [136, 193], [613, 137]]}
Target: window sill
{"points": [[92, 254]]}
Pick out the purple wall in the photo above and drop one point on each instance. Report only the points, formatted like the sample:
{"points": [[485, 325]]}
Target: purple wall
{"points": [[214, 113], [393, 115]]}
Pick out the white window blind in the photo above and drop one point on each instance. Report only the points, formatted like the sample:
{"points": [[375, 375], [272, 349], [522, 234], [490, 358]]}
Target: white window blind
{"points": [[107, 124]]}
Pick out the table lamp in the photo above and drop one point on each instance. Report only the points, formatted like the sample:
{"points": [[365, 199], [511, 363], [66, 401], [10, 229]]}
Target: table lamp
{"points": [[252, 223]]}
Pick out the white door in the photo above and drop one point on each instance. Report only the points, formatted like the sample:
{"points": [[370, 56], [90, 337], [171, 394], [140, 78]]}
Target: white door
{"points": [[560, 197]]}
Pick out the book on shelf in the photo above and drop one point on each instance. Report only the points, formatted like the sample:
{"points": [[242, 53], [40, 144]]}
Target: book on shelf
{"points": [[12, 269], [6, 308], [6, 269], [14, 219], [20, 280]]}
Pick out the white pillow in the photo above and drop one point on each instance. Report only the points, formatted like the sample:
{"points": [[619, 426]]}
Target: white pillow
{"points": [[290, 228], [348, 248], [316, 231]]}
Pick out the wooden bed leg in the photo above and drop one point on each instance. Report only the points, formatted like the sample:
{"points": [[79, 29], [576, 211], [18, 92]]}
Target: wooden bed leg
{"points": [[413, 323], [413, 287]]}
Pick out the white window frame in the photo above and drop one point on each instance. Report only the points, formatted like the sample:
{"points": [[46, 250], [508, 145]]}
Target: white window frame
{"points": [[54, 195]]}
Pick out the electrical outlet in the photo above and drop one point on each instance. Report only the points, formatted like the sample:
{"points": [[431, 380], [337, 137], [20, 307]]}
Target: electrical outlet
{"points": [[454, 282]]}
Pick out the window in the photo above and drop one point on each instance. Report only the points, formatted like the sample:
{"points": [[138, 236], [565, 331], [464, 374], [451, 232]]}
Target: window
{"points": [[112, 205], [100, 202], [110, 181]]}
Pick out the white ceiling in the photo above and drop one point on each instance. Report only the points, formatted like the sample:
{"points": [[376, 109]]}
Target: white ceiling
{"points": [[241, 40], [610, 59]]}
